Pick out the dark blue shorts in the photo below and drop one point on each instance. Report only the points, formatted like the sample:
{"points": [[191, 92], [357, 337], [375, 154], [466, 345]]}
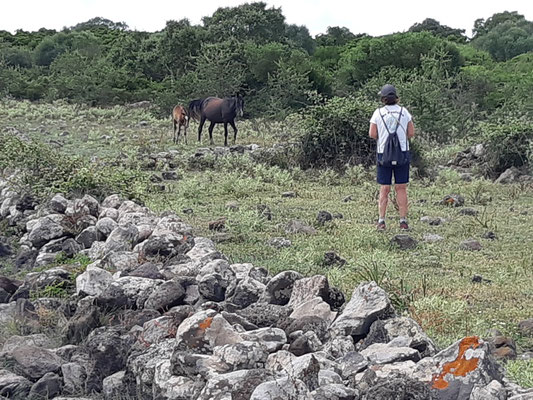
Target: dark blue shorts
{"points": [[401, 173]]}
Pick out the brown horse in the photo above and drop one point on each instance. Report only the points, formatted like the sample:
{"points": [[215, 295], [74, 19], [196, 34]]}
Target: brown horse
{"points": [[217, 111], [180, 117]]}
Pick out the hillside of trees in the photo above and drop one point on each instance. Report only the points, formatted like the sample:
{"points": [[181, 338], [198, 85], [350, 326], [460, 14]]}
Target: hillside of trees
{"points": [[455, 86]]}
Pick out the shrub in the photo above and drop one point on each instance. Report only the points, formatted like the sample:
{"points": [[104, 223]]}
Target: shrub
{"points": [[509, 144], [43, 171], [336, 133]]}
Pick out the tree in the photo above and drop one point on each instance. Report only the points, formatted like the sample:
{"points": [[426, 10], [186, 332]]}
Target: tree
{"points": [[507, 39], [298, 36], [252, 22], [482, 27], [443, 31], [336, 36], [99, 22]]}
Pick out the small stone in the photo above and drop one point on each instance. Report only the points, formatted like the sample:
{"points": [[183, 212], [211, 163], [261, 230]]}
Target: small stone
{"points": [[288, 194], [279, 242], [404, 242], [480, 279], [453, 200], [296, 226], [347, 199], [264, 211], [489, 235], [432, 238], [469, 211], [323, 217], [170, 175], [331, 258], [470, 245], [233, 205], [217, 224], [526, 327], [187, 211]]}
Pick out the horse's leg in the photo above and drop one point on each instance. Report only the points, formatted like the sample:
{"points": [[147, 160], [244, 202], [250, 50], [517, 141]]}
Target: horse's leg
{"points": [[232, 123], [202, 122], [211, 127], [185, 132], [225, 134], [174, 134], [179, 133]]}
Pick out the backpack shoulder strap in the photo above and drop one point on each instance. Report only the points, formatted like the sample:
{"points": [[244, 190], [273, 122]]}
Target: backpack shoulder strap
{"points": [[384, 123]]}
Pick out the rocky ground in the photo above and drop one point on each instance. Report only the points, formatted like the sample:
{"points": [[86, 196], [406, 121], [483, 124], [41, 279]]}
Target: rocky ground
{"points": [[140, 308]]}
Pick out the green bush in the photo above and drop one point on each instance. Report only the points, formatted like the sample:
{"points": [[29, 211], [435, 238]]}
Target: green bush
{"points": [[43, 171], [509, 144], [336, 133]]}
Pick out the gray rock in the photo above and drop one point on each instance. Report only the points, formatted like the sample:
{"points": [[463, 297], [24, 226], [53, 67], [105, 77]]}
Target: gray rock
{"points": [[455, 371], [127, 292], [246, 292], [279, 242], [339, 346], [306, 343], [469, 211], [306, 289], [147, 270], [74, 377], [36, 340], [296, 226], [384, 331], [45, 229], [323, 217], [453, 200], [157, 330], [400, 388], [237, 385], [213, 287], [272, 339], [108, 350], [335, 392], [13, 386], [87, 237], [112, 201], [237, 356], [58, 204], [166, 296], [279, 288], [113, 385], [432, 238], [328, 377], [315, 307], [510, 175], [351, 363], [93, 281], [84, 320], [434, 221], [526, 327], [368, 303], [281, 389], [91, 203], [470, 245], [122, 238], [105, 226], [265, 315], [380, 353], [404, 242], [120, 261], [34, 362], [46, 388], [493, 391]]}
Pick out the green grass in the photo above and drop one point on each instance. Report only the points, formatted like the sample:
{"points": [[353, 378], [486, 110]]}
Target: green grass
{"points": [[432, 283]]}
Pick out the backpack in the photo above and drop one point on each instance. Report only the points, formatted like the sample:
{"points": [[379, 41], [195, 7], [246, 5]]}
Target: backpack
{"points": [[392, 152]]}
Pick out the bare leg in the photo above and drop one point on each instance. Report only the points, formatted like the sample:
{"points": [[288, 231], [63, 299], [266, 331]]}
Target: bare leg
{"points": [[401, 199], [232, 123], [383, 200], [225, 133], [211, 127], [202, 122]]}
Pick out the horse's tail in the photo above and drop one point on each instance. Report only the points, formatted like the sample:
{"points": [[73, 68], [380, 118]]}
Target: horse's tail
{"points": [[195, 108]]}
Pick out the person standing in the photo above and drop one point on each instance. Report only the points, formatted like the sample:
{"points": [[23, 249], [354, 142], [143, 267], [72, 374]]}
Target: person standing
{"points": [[387, 120]]}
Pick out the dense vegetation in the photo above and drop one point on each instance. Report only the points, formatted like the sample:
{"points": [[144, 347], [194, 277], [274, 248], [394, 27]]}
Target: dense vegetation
{"points": [[457, 88]]}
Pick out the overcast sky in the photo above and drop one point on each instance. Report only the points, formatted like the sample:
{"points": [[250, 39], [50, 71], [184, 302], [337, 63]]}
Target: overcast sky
{"points": [[372, 17]]}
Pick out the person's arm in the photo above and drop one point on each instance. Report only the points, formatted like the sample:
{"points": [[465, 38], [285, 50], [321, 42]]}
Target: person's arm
{"points": [[373, 131], [410, 130]]}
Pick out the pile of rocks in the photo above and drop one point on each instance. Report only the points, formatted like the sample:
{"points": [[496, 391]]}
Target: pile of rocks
{"points": [[160, 314]]}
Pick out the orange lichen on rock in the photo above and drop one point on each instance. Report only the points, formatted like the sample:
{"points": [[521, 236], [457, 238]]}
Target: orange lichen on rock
{"points": [[460, 366], [206, 324]]}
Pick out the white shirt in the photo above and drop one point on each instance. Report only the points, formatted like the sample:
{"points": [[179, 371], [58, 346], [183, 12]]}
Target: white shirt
{"points": [[390, 115]]}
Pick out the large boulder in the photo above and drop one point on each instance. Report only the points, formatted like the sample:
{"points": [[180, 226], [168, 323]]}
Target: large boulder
{"points": [[13, 386], [33, 362], [46, 229], [368, 303]]}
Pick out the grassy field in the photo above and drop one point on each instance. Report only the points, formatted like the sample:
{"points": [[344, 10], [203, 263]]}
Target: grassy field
{"points": [[432, 283]]}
